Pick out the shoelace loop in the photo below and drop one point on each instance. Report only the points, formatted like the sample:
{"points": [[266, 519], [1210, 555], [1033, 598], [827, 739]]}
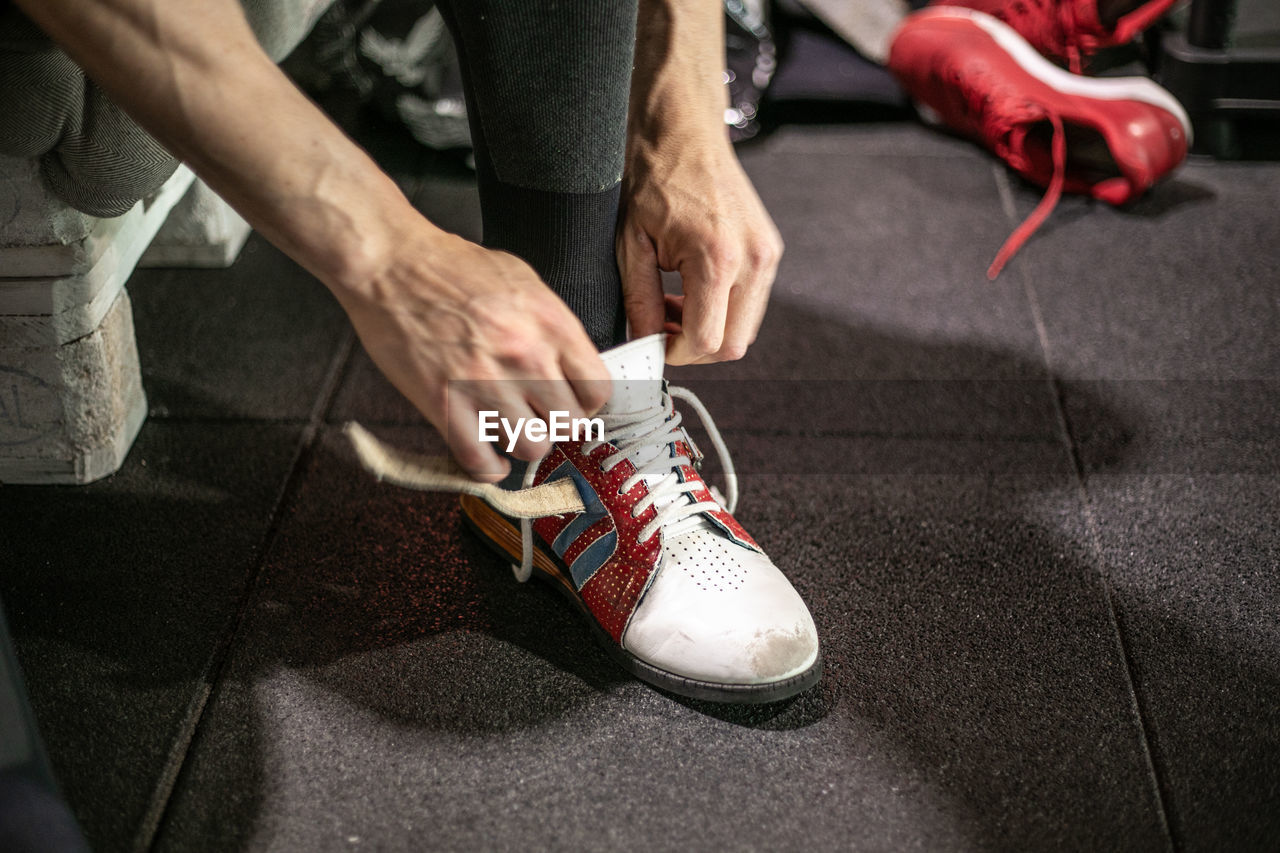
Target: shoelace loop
{"points": [[636, 437], [1053, 26]]}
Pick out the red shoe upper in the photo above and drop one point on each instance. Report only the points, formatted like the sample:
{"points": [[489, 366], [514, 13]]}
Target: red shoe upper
{"points": [[610, 565], [1067, 30], [983, 81]]}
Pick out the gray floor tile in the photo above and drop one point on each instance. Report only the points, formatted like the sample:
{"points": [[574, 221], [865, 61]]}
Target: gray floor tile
{"points": [[394, 688], [938, 408], [886, 247], [893, 139], [1167, 312], [1181, 285], [118, 594], [1192, 558], [365, 395], [253, 341], [1170, 426]]}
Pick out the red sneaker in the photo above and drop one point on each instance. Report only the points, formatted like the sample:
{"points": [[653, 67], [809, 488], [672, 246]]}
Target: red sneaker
{"points": [[1109, 138], [1067, 30]]}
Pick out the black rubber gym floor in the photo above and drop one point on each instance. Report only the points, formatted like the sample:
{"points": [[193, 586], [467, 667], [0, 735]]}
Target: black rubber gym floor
{"points": [[1036, 521]]}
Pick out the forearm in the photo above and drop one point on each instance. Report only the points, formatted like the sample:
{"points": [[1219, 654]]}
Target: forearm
{"points": [[687, 204], [193, 75], [677, 89]]}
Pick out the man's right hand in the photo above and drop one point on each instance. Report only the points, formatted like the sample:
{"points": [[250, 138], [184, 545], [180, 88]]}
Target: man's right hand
{"points": [[458, 328]]}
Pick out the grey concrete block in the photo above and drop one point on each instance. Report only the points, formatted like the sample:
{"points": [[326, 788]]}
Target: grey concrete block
{"points": [[202, 231], [51, 310], [43, 239], [68, 414], [30, 214]]}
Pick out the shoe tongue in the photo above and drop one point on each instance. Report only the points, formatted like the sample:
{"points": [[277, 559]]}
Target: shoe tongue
{"points": [[636, 370]]}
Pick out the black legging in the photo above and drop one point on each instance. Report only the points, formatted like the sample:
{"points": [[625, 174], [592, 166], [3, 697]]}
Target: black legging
{"points": [[547, 87]]}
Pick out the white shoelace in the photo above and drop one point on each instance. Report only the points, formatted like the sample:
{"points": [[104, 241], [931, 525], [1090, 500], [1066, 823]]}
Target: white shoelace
{"points": [[645, 439]]}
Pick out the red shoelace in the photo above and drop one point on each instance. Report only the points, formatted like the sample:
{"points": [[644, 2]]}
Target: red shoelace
{"points": [[1052, 25], [1020, 235]]}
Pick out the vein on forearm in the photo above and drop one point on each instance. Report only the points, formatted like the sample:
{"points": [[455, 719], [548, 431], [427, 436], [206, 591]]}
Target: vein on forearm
{"points": [[677, 86]]}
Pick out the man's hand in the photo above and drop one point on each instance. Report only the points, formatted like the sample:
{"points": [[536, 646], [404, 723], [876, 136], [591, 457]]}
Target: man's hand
{"points": [[687, 205], [459, 329], [696, 213]]}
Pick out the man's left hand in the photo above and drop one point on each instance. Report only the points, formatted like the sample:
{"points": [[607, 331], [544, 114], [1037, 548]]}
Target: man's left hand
{"points": [[691, 209]]}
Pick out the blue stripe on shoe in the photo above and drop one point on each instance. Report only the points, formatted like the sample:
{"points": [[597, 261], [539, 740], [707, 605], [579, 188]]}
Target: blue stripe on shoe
{"points": [[593, 512], [590, 560]]}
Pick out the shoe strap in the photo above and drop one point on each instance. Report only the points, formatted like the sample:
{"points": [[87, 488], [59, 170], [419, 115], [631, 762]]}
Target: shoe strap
{"points": [[441, 474], [1029, 225]]}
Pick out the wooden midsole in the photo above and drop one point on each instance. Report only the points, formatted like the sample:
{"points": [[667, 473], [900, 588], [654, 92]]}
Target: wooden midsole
{"points": [[501, 532]]}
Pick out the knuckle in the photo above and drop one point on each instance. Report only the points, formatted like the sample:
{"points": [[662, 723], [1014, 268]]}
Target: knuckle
{"points": [[724, 259], [523, 353], [529, 450], [733, 351], [527, 359], [705, 343], [765, 255]]}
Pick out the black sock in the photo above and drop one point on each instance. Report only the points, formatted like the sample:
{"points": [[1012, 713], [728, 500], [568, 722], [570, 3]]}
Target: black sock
{"points": [[547, 88], [569, 239]]}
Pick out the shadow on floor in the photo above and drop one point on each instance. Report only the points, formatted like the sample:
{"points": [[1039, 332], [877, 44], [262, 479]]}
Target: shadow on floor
{"points": [[958, 620], [951, 578]]}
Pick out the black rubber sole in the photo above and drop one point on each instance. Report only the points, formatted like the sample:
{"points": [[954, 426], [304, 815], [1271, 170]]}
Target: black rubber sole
{"points": [[707, 691]]}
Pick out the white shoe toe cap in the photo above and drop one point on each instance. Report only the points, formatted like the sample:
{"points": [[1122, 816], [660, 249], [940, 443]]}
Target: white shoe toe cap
{"points": [[721, 613]]}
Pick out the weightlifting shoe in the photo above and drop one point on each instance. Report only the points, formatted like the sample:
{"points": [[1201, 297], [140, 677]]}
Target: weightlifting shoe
{"points": [[680, 594], [1068, 31], [1110, 138]]}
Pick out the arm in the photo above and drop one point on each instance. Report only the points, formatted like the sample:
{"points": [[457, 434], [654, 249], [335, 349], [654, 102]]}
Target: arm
{"points": [[689, 206], [429, 306]]}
